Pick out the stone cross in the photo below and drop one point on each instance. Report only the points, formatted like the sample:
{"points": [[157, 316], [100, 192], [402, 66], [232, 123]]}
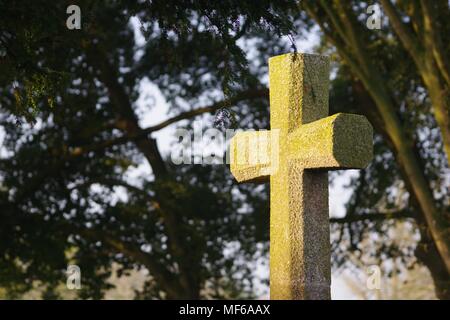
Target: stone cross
{"points": [[302, 145]]}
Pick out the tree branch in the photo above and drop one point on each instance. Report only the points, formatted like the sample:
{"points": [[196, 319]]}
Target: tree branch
{"points": [[245, 95], [434, 39], [403, 214], [407, 37], [122, 105], [338, 42], [326, 5]]}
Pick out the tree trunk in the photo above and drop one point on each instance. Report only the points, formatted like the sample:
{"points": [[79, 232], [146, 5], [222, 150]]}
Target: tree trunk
{"points": [[427, 253]]}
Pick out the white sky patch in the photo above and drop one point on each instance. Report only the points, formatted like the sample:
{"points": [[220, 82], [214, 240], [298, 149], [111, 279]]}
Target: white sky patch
{"points": [[307, 43], [338, 194], [4, 153]]}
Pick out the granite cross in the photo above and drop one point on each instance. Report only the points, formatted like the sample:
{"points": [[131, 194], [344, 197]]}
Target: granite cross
{"points": [[296, 154]]}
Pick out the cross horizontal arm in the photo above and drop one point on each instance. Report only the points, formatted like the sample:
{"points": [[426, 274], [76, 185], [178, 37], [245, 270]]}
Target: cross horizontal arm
{"points": [[340, 141], [254, 155]]}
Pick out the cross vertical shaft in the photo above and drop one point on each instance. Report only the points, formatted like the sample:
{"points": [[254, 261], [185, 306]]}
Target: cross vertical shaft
{"points": [[299, 227]]}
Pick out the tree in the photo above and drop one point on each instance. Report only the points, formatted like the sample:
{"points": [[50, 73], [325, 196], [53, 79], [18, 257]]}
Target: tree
{"points": [[72, 132], [397, 98]]}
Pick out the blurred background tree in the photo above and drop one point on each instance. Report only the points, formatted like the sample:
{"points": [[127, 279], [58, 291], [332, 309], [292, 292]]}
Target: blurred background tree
{"points": [[74, 134], [396, 76]]}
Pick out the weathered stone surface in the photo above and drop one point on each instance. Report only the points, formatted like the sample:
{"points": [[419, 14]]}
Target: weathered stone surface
{"points": [[305, 139], [335, 142], [254, 155]]}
